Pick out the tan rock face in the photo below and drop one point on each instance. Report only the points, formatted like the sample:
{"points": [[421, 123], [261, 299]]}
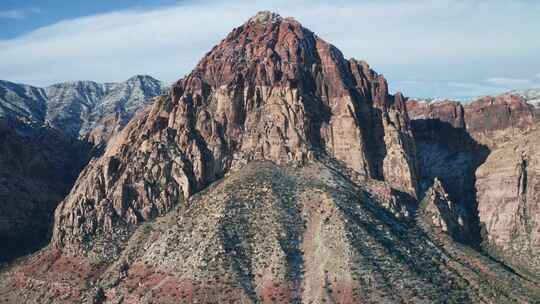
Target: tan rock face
{"points": [[271, 90], [509, 202]]}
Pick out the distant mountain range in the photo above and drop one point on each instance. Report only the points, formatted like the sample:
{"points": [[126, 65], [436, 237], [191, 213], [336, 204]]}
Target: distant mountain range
{"points": [[74, 108], [532, 96]]}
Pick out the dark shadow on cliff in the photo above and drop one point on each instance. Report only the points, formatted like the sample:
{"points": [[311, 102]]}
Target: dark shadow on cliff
{"points": [[451, 154], [38, 167]]}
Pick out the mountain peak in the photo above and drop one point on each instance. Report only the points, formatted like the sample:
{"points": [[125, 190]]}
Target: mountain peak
{"points": [[138, 78], [267, 92], [267, 50], [265, 17]]}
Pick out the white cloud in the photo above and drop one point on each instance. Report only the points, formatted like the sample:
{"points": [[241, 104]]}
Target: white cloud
{"points": [[442, 40], [19, 14], [509, 82], [447, 89]]}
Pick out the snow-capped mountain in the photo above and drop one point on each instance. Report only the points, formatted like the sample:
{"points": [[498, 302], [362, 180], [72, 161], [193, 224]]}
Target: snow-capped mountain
{"points": [[75, 107], [532, 96]]}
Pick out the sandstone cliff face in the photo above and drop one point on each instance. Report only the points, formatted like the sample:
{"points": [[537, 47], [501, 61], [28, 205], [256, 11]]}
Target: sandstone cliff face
{"points": [[271, 90], [453, 139], [481, 151], [498, 113], [509, 202], [448, 111]]}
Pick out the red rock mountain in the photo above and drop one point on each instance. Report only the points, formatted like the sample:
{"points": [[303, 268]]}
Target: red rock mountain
{"points": [[271, 90], [277, 171]]}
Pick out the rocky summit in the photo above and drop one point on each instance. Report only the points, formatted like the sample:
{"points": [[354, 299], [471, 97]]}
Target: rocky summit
{"points": [[278, 171], [271, 90]]}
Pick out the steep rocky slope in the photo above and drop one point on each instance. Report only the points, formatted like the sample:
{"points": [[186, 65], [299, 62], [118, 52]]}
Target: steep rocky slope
{"points": [[77, 107], [22, 102], [441, 213], [276, 171], [47, 135], [274, 234], [509, 202]]}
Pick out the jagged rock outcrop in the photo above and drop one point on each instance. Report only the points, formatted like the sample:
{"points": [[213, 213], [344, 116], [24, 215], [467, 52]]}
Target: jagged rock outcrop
{"points": [[509, 202], [47, 135], [271, 90], [437, 209]]}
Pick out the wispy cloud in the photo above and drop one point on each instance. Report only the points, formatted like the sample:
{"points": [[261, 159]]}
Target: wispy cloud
{"points": [[13, 14], [446, 89], [509, 82], [443, 41], [460, 90], [19, 14]]}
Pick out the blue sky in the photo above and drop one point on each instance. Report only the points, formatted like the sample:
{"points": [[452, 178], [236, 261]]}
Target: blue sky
{"points": [[19, 17], [425, 48]]}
